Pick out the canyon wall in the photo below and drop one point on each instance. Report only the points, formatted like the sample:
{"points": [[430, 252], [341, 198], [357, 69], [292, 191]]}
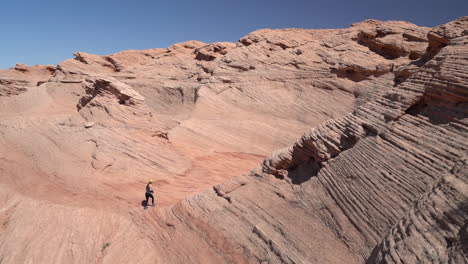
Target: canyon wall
{"points": [[379, 176]]}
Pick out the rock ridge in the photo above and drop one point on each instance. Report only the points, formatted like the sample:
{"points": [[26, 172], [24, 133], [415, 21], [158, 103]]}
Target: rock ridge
{"points": [[379, 176]]}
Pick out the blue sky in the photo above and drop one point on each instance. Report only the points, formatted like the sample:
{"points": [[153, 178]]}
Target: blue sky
{"points": [[49, 31]]}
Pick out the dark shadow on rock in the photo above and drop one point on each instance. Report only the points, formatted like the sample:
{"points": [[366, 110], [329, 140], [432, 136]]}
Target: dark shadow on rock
{"points": [[305, 163], [304, 172], [439, 112]]}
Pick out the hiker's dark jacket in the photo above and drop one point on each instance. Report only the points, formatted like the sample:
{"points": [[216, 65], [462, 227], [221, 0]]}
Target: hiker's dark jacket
{"points": [[148, 189]]}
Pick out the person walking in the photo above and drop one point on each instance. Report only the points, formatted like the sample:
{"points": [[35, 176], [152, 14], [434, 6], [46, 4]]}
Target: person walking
{"points": [[149, 193]]}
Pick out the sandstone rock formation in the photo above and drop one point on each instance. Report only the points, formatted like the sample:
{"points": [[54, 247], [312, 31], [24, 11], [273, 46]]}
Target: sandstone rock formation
{"points": [[21, 78], [380, 177]]}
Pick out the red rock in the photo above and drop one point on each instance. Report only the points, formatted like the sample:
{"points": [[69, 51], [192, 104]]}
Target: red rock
{"points": [[379, 175]]}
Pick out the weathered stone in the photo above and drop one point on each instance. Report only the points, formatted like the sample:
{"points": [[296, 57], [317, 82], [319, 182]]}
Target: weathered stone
{"points": [[378, 174]]}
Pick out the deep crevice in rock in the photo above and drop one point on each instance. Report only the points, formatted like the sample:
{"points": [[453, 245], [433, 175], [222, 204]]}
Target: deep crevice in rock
{"points": [[417, 108], [355, 74], [304, 172]]}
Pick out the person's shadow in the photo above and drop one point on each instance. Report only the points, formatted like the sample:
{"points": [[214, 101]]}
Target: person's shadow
{"points": [[145, 205]]}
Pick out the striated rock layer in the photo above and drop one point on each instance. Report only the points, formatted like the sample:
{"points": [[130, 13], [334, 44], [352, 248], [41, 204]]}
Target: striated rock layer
{"points": [[380, 178]]}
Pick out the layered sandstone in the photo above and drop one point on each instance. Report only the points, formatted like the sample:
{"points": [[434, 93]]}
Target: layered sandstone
{"points": [[381, 176]]}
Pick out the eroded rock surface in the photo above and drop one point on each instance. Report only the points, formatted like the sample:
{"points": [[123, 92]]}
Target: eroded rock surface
{"points": [[380, 177], [21, 78]]}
